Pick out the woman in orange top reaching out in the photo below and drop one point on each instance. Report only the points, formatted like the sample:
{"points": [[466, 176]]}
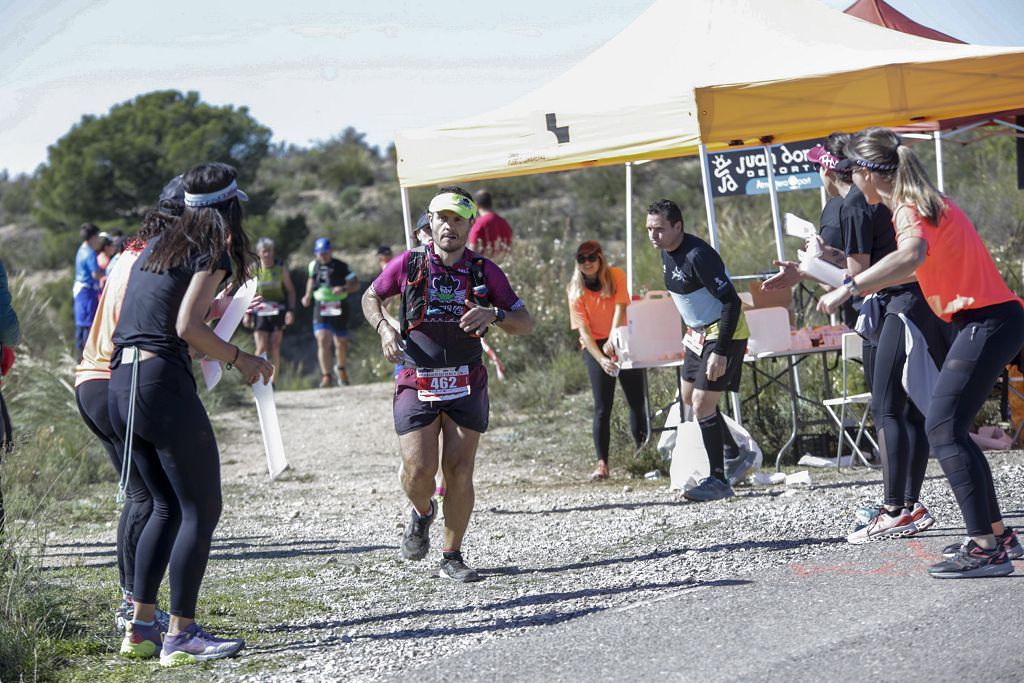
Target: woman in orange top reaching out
{"points": [[960, 281]]}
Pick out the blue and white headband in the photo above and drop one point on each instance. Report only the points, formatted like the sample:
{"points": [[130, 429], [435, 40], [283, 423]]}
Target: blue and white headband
{"points": [[211, 198]]}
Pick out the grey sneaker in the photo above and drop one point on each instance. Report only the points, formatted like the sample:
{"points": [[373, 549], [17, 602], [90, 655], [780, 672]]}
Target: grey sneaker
{"points": [[973, 562], [737, 469], [1008, 541], [416, 539], [196, 645], [710, 488], [453, 567], [125, 612]]}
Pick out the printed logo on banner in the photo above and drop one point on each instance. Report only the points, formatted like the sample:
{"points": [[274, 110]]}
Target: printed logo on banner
{"points": [[744, 171]]}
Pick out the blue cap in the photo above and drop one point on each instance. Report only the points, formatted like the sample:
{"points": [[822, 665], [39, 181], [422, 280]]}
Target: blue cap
{"points": [[322, 244]]}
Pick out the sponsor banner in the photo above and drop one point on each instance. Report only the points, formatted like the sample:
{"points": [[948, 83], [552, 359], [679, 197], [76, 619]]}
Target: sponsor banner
{"points": [[744, 171]]}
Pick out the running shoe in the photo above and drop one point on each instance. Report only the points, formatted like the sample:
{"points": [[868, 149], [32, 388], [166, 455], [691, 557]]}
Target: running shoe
{"points": [[1007, 539], [124, 614], [343, 377], [737, 469], [600, 471], [416, 539], [922, 517], [973, 562], [709, 488], [325, 381], [883, 526], [141, 641], [196, 645], [439, 494], [454, 567]]}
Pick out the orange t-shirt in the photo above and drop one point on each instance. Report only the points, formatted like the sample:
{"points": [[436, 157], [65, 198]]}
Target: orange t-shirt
{"points": [[100, 343], [595, 311], [958, 273]]}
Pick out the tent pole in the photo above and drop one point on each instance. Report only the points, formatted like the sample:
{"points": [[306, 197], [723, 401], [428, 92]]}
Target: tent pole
{"points": [[773, 194], [629, 228], [406, 218], [709, 200], [939, 177]]}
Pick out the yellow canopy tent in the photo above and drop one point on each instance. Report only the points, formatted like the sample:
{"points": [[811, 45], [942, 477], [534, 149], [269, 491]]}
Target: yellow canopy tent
{"points": [[692, 76]]}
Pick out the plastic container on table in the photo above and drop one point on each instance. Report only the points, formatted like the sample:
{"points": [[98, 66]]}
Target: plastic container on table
{"points": [[769, 330], [653, 333]]}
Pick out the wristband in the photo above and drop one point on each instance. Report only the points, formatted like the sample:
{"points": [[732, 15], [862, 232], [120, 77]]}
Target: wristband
{"points": [[851, 285], [499, 316], [235, 359], [376, 328]]}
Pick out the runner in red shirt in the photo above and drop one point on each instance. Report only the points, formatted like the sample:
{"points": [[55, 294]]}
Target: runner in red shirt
{"points": [[491, 235]]}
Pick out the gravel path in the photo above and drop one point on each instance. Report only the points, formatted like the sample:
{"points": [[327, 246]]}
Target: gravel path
{"points": [[308, 568]]}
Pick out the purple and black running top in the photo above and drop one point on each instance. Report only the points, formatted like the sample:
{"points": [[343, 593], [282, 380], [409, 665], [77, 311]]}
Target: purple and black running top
{"points": [[439, 342]]}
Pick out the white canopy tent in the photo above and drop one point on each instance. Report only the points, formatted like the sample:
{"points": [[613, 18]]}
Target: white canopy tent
{"points": [[689, 77]]}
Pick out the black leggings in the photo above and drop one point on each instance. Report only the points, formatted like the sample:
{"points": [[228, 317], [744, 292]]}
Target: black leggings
{"points": [[988, 340], [6, 444], [91, 397], [899, 424], [603, 386], [176, 453]]}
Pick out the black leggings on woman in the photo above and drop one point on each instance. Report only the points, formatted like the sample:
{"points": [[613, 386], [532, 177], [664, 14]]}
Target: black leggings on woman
{"points": [[603, 386], [176, 454], [899, 423], [988, 339], [92, 404]]}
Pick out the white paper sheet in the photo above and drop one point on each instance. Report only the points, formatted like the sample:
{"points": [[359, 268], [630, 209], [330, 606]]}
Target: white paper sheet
{"points": [[226, 327]]}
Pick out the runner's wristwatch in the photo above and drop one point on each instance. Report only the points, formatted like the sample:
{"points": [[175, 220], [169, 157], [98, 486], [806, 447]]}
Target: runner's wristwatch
{"points": [[851, 285], [499, 316]]}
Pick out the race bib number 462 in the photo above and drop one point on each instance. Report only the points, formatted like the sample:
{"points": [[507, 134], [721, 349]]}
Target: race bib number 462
{"points": [[442, 384]]}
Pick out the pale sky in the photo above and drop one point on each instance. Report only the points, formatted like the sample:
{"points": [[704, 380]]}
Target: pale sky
{"points": [[309, 68]]}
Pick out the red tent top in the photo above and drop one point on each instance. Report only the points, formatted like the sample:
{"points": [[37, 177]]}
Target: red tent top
{"points": [[881, 13]]}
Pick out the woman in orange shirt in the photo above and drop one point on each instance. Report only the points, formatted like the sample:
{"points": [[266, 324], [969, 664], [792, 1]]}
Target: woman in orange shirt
{"points": [[960, 281], [598, 296]]}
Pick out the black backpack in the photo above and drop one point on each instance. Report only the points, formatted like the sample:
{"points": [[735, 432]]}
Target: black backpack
{"points": [[414, 296]]}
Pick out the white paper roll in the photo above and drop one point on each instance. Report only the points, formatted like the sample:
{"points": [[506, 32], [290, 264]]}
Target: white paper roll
{"points": [[269, 426], [226, 327]]}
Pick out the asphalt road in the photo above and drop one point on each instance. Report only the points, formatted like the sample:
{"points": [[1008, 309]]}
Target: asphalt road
{"points": [[872, 613]]}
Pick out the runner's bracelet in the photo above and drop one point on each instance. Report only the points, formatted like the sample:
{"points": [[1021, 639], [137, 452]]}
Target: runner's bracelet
{"points": [[376, 328], [235, 359]]}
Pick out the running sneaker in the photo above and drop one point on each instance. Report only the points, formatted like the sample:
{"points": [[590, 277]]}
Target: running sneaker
{"points": [[737, 468], [600, 471], [196, 645], [439, 494], [416, 539], [1007, 539], [922, 517], [343, 377], [124, 614], [884, 526], [973, 562], [325, 381], [141, 641], [709, 488], [454, 567]]}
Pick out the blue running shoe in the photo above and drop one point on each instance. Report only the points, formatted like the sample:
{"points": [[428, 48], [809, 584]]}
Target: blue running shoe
{"points": [[710, 488], [141, 641]]}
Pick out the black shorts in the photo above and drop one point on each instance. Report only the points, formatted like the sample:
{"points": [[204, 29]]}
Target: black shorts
{"points": [[695, 368], [471, 412], [269, 323]]}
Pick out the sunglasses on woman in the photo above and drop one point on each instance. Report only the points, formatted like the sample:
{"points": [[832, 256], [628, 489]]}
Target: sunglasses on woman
{"points": [[584, 258]]}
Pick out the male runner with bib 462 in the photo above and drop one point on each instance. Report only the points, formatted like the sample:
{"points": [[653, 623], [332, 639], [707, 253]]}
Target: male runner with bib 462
{"points": [[715, 341], [450, 298]]}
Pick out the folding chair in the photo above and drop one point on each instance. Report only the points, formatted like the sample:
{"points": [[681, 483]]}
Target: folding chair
{"points": [[852, 349]]}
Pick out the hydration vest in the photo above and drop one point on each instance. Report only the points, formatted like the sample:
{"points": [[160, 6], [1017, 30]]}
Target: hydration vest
{"points": [[414, 296]]}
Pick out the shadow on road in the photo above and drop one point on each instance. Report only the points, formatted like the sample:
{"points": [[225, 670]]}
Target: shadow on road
{"points": [[554, 616]]}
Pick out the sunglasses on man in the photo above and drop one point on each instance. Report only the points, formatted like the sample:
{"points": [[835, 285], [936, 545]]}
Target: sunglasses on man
{"points": [[584, 258]]}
